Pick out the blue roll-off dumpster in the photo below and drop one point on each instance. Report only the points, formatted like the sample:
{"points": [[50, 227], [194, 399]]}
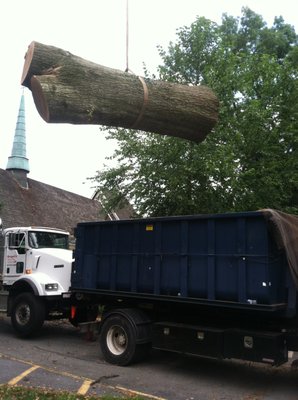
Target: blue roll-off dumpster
{"points": [[221, 285], [229, 260]]}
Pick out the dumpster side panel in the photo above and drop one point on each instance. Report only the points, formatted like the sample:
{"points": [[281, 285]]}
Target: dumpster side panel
{"points": [[215, 258]]}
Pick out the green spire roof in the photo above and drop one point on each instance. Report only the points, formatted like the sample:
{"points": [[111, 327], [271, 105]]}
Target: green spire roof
{"points": [[18, 159]]}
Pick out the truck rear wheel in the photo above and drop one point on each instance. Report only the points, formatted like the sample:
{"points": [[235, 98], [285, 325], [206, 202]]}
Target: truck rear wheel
{"points": [[118, 341], [27, 314]]}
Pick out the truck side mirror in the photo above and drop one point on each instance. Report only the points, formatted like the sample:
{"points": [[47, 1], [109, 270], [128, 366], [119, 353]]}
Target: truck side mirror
{"points": [[1, 227]]}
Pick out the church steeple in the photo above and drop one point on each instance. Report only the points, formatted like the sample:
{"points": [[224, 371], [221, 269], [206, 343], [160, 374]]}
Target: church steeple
{"points": [[18, 163]]}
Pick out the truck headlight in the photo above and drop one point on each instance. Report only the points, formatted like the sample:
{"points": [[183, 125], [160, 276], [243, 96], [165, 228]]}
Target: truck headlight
{"points": [[51, 287]]}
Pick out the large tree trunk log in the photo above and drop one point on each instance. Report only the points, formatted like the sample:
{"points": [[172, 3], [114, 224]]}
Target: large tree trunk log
{"points": [[69, 89]]}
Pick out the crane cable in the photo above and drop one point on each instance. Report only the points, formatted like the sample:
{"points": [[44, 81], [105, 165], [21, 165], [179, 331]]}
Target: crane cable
{"points": [[127, 36]]}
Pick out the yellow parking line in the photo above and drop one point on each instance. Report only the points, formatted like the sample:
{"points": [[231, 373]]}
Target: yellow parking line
{"points": [[85, 387], [18, 378], [52, 370], [130, 392], [86, 383]]}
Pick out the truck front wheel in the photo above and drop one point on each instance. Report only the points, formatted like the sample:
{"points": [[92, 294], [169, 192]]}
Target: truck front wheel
{"points": [[27, 314], [118, 341]]}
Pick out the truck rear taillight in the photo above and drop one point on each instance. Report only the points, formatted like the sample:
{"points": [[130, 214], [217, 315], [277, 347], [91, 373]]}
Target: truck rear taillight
{"points": [[73, 312]]}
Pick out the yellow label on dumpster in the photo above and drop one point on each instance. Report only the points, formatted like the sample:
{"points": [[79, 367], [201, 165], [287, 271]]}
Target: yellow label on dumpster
{"points": [[149, 227]]}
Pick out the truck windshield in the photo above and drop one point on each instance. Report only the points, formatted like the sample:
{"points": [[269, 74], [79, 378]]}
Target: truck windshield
{"points": [[38, 240]]}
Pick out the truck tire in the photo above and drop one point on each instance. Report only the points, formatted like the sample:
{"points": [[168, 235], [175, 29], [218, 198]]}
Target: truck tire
{"points": [[27, 314], [118, 341]]}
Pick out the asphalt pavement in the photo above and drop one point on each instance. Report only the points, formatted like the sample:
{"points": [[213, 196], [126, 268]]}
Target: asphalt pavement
{"points": [[64, 358]]}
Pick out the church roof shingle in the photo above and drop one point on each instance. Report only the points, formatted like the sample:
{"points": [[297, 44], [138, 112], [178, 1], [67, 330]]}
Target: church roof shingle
{"points": [[43, 205]]}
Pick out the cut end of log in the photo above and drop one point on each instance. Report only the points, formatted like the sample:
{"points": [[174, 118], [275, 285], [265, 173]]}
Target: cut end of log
{"points": [[39, 99], [25, 80]]}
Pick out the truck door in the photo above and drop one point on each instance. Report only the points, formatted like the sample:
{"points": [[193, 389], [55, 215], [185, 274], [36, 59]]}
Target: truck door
{"points": [[15, 254]]}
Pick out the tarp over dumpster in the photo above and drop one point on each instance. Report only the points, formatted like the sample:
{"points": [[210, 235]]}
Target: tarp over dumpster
{"points": [[284, 227]]}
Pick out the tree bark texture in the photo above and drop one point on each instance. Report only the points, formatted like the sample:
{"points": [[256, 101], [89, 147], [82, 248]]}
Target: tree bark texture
{"points": [[70, 89]]}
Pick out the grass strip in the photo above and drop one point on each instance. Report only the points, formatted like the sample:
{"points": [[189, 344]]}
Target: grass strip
{"points": [[23, 393]]}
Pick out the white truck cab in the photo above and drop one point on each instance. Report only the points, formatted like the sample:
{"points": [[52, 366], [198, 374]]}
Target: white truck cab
{"points": [[35, 270]]}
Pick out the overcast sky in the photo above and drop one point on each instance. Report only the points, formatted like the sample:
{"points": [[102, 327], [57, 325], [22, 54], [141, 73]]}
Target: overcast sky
{"points": [[65, 155]]}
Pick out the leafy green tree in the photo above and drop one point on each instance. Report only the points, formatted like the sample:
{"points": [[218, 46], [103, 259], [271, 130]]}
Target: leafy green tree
{"points": [[250, 159]]}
